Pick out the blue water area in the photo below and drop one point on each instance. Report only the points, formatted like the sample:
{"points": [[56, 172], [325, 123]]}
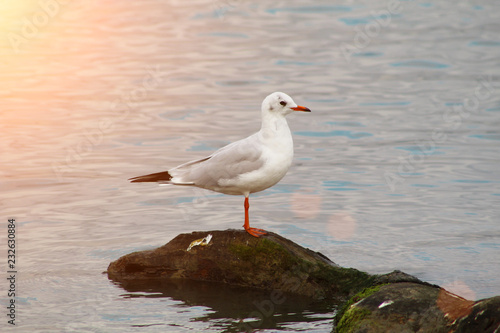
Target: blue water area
{"points": [[209, 146], [422, 255], [356, 20], [341, 185], [424, 149], [295, 63], [345, 123], [396, 103], [473, 181], [488, 43], [368, 54], [383, 19], [347, 134], [324, 100], [424, 185], [427, 64], [464, 249], [495, 137], [281, 188], [310, 9]]}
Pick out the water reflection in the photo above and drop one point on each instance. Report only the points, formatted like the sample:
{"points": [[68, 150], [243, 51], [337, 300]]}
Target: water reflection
{"points": [[236, 309]]}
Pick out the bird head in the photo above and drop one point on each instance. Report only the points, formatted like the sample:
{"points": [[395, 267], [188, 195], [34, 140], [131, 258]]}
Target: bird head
{"points": [[281, 103]]}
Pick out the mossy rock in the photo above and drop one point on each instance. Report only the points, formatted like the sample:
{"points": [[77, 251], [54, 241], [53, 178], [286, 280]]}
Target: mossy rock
{"points": [[350, 316], [416, 307], [237, 258]]}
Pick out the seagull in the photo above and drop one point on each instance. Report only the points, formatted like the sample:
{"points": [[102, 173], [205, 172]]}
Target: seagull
{"points": [[246, 166]]}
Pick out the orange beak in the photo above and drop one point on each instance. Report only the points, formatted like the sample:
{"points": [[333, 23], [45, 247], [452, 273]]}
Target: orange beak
{"points": [[301, 108]]}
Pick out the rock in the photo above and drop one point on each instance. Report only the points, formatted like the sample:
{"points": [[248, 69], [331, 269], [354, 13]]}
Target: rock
{"points": [[417, 307], [397, 276], [397, 307], [234, 257], [482, 316], [393, 302]]}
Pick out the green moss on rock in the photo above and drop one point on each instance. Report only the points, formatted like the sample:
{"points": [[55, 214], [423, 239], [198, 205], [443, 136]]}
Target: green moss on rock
{"points": [[350, 316], [263, 253], [348, 280], [351, 320]]}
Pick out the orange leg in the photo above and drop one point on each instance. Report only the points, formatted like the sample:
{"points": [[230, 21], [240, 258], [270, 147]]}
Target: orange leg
{"points": [[252, 231]]}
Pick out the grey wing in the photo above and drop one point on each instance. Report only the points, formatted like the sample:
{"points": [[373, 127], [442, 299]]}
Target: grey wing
{"points": [[225, 164]]}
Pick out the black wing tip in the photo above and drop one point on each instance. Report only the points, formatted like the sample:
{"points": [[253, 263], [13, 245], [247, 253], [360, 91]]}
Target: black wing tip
{"points": [[154, 177]]}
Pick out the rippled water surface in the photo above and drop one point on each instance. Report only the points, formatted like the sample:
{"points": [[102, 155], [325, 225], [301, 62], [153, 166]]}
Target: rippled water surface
{"points": [[397, 167]]}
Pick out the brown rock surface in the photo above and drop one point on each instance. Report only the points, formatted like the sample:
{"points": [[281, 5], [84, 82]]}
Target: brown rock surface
{"points": [[270, 262]]}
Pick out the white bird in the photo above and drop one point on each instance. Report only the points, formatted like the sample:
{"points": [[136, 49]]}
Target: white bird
{"points": [[246, 166]]}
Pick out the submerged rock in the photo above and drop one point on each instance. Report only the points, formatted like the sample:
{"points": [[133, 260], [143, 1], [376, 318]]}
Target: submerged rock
{"points": [[393, 302]]}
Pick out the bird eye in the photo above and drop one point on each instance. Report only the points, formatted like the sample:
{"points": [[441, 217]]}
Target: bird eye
{"points": [[283, 103]]}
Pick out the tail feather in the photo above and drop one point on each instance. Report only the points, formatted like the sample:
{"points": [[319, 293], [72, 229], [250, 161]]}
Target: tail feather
{"points": [[154, 177]]}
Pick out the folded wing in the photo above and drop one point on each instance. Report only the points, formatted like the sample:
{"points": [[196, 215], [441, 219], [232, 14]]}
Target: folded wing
{"points": [[213, 172], [223, 166]]}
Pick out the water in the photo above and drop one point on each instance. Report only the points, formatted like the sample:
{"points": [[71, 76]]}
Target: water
{"points": [[397, 167]]}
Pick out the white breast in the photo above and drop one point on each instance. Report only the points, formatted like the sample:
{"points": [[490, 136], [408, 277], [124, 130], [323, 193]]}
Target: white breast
{"points": [[276, 153]]}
